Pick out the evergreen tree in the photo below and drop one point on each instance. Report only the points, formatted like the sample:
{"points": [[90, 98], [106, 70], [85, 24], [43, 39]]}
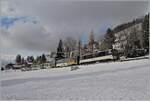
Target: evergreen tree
{"points": [[43, 58], [38, 59], [60, 52], [18, 59], [146, 31], [109, 38], [31, 59]]}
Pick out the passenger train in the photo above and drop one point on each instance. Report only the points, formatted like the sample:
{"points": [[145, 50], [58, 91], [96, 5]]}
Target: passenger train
{"points": [[99, 56]]}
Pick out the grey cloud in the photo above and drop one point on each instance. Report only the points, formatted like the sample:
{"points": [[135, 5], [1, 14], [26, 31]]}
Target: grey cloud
{"points": [[59, 19]]}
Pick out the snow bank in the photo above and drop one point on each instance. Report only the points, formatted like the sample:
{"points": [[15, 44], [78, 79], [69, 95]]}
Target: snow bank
{"points": [[105, 81]]}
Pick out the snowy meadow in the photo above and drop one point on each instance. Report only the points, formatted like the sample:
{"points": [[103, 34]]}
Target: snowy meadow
{"points": [[128, 80]]}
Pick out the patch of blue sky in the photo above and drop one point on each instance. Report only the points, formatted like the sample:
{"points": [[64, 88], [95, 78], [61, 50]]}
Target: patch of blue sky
{"points": [[104, 28], [7, 21], [101, 31], [84, 39]]}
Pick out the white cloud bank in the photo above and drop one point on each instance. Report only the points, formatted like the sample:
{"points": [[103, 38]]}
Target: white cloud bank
{"points": [[59, 19]]}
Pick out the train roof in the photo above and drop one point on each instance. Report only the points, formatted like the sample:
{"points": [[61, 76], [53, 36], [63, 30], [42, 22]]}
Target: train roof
{"points": [[95, 52]]}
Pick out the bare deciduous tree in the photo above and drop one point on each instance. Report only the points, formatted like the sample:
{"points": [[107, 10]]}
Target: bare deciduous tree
{"points": [[70, 44]]}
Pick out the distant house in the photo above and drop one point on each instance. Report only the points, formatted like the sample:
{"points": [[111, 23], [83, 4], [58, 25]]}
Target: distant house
{"points": [[9, 66], [16, 66], [50, 59], [123, 35], [29, 64]]}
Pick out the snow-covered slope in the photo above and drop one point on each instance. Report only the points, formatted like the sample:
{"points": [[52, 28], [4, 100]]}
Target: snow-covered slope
{"points": [[128, 80]]}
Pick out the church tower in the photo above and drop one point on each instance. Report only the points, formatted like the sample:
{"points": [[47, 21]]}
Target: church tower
{"points": [[91, 41]]}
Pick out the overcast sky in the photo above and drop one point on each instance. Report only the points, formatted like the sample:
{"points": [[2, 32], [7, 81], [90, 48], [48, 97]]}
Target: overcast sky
{"points": [[35, 26]]}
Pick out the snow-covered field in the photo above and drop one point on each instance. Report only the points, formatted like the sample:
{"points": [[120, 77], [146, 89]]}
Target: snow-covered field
{"points": [[129, 80]]}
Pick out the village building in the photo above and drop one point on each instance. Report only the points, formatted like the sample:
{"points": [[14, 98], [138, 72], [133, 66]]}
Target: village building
{"points": [[128, 36]]}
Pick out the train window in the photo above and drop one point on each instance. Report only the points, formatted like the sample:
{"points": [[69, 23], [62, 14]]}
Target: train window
{"points": [[97, 54], [107, 53], [101, 54], [87, 56]]}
